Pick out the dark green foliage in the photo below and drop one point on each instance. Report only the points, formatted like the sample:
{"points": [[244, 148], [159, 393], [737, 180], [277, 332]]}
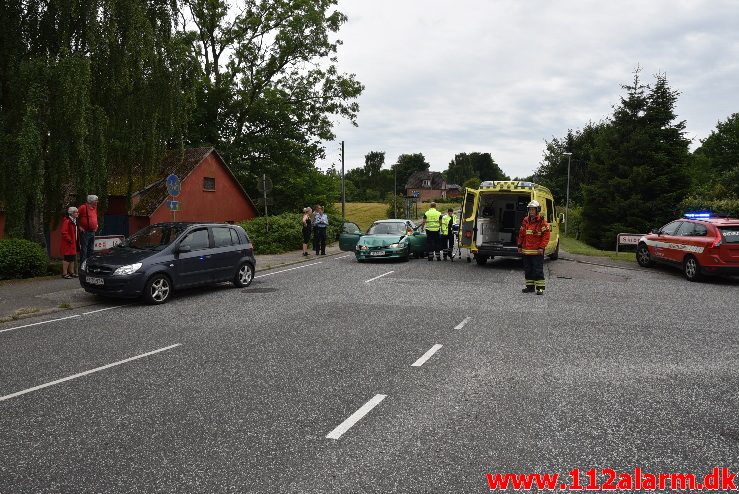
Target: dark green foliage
{"points": [[728, 207], [715, 164], [481, 166], [407, 164], [370, 183], [638, 166], [285, 232], [21, 258]]}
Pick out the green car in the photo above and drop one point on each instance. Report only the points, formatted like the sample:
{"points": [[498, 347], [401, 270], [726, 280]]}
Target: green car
{"points": [[385, 239]]}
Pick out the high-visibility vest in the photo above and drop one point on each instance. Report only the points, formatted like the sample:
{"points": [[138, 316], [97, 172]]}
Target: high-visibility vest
{"points": [[446, 224], [432, 220]]}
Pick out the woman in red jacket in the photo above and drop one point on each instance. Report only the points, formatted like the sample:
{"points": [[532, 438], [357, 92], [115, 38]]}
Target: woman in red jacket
{"points": [[69, 242]]}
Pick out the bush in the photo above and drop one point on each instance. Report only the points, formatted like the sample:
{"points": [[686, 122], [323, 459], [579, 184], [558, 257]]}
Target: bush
{"points": [[21, 259], [720, 206], [285, 232]]}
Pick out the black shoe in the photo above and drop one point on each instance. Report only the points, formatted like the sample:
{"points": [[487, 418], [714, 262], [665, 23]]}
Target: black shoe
{"points": [[431, 258], [540, 291], [323, 253], [528, 289]]}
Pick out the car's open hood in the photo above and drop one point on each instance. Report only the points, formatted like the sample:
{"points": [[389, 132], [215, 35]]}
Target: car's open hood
{"points": [[379, 240]]}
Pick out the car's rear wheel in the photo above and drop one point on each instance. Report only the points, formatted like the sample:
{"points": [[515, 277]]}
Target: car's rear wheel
{"points": [[158, 289], [691, 269], [643, 257], [244, 275]]}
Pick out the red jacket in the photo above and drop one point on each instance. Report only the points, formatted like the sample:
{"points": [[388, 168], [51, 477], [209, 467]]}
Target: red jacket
{"points": [[88, 218], [69, 237], [533, 235]]}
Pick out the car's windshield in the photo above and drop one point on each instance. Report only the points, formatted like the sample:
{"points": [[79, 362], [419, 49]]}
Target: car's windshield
{"points": [[155, 237], [388, 228]]}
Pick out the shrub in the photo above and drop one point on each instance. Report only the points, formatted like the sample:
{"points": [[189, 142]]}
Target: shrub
{"points": [[285, 232], [21, 259], [720, 206]]}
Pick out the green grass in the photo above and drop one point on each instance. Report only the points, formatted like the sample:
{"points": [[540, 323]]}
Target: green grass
{"points": [[576, 247], [366, 213]]}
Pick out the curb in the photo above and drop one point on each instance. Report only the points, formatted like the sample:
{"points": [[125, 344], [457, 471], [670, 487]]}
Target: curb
{"points": [[599, 264], [299, 261]]}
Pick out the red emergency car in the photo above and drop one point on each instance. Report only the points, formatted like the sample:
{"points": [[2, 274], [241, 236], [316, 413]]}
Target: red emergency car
{"points": [[699, 243]]}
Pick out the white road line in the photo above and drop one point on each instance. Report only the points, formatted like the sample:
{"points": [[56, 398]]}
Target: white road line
{"points": [[463, 323], [355, 417], [426, 356], [291, 269], [377, 277], [37, 323], [342, 257], [82, 374], [101, 310]]}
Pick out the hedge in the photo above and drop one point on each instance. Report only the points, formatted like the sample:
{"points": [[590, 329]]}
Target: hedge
{"points": [[285, 232], [22, 259]]}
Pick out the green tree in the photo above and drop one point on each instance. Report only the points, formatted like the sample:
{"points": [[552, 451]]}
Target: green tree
{"points": [[481, 165], [715, 164], [407, 164], [639, 165]]}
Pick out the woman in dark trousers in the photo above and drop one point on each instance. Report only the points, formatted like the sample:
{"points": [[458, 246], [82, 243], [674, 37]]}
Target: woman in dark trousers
{"points": [[307, 227], [321, 223]]}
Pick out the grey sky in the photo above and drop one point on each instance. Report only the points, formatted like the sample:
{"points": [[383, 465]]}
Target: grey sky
{"points": [[444, 77]]}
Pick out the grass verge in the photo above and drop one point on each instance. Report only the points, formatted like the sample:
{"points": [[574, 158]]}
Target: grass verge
{"points": [[580, 248]]}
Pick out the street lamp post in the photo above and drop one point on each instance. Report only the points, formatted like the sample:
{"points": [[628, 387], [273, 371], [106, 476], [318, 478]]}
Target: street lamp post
{"points": [[567, 206], [395, 193]]}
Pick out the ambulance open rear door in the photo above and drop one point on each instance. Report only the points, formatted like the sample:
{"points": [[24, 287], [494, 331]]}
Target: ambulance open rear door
{"points": [[468, 225]]}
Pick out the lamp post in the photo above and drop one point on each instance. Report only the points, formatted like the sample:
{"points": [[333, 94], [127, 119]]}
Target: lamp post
{"points": [[343, 189], [567, 206], [395, 192]]}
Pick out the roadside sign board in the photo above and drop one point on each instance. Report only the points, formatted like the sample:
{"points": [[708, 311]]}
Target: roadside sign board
{"points": [[173, 205], [628, 239], [105, 242], [174, 186]]}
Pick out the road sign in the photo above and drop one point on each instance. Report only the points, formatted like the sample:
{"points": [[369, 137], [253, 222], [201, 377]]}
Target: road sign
{"points": [[264, 184], [174, 186], [174, 205], [628, 239], [416, 194]]}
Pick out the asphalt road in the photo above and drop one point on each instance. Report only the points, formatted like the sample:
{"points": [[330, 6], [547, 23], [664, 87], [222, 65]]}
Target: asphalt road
{"points": [[611, 368]]}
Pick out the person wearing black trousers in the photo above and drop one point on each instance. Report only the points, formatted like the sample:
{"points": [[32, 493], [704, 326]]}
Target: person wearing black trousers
{"points": [[447, 234], [320, 221]]}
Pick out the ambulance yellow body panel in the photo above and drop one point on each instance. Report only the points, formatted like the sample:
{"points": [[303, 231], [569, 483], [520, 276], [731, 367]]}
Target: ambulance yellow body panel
{"points": [[492, 215]]}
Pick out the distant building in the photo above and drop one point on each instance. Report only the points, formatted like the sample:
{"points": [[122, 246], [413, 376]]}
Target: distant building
{"points": [[427, 185]]}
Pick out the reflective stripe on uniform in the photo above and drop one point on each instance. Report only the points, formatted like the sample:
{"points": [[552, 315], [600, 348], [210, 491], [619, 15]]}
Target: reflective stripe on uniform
{"points": [[529, 251]]}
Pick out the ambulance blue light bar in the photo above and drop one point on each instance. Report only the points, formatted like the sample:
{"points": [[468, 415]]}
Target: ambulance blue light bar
{"points": [[698, 215]]}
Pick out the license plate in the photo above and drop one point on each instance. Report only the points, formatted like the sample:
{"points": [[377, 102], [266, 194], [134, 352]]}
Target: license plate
{"points": [[377, 253], [94, 281]]}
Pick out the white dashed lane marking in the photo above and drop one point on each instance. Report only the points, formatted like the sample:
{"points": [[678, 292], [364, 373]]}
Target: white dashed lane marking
{"points": [[355, 417]]}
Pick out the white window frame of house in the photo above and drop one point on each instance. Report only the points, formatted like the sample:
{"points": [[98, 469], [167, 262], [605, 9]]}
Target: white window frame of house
{"points": [[426, 183]]}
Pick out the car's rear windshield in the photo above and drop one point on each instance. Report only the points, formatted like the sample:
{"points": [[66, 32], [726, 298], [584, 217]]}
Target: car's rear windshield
{"points": [[387, 229], [730, 233], [155, 237]]}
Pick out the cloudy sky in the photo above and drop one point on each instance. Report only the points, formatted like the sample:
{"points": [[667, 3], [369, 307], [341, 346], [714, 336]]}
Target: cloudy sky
{"points": [[501, 76]]}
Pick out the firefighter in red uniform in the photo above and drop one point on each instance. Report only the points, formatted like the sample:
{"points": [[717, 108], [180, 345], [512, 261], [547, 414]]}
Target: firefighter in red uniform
{"points": [[533, 238]]}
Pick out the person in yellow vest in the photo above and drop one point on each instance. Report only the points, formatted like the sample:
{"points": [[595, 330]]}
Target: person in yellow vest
{"points": [[447, 234], [432, 222]]}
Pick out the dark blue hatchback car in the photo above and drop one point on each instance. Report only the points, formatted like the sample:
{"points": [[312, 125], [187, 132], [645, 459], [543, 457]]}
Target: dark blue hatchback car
{"points": [[165, 257]]}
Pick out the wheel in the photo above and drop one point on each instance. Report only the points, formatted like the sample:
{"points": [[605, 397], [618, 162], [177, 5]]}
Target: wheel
{"points": [[360, 260], [691, 269], [158, 289], [643, 257], [481, 260], [244, 275], [555, 255], [469, 259]]}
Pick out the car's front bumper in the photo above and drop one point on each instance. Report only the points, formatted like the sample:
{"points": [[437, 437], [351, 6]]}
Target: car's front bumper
{"points": [[399, 253], [131, 286]]}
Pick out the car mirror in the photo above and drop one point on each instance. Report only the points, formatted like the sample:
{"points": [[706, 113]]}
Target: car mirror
{"points": [[561, 217], [184, 248]]}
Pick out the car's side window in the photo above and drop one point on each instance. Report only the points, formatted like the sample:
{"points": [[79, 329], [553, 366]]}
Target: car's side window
{"points": [[686, 229], [222, 236], [350, 228], [670, 228], [700, 230], [235, 240], [197, 239]]}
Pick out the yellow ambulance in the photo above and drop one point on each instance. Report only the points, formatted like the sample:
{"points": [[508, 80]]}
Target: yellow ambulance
{"points": [[492, 216]]}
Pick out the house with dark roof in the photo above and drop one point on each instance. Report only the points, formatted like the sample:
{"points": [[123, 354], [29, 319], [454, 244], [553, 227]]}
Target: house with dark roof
{"points": [[428, 185], [209, 192]]}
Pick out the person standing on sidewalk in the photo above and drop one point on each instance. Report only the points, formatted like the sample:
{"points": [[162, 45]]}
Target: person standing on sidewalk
{"points": [[431, 220], [307, 229], [88, 225], [321, 223], [69, 243], [447, 234], [533, 238]]}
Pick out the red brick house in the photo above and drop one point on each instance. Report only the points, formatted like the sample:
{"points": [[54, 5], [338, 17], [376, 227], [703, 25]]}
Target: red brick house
{"points": [[427, 185], [209, 193]]}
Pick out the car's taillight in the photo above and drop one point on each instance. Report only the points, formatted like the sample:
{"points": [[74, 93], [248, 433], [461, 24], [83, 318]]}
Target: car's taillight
{"points": [[716, 243]]}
